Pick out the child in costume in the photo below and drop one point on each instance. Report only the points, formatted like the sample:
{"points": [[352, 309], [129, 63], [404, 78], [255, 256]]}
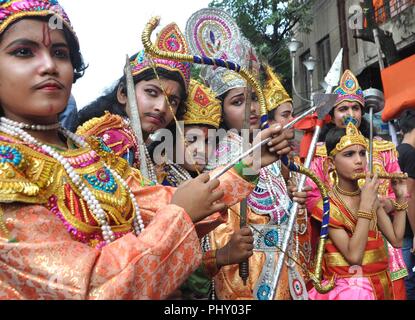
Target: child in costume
{"points": [[107, 117], [203, 113], [355, 254], [211, 32], [350, 104], [72, 218]]}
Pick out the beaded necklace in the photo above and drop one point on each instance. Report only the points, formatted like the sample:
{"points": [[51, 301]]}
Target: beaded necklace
{"points": [[205, 248], [16, 129], [178, 173], [150, 167]]}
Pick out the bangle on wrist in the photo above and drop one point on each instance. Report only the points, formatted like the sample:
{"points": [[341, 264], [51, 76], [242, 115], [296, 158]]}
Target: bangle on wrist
{"points": [[365, 215], [400, 206]]}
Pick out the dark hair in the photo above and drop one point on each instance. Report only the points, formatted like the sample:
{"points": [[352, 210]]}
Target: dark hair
{"points": [[333, 137], [407, 121], [109, 101], [75, 55], [222, 103], [364, 129], [74, 49]]}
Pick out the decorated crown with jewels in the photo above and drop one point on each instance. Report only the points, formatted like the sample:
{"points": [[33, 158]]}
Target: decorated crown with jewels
{"points": [[213, 33], [274, 91], [169, 39], [13, 10], [351, 138], [202, 106], [349, 89]]}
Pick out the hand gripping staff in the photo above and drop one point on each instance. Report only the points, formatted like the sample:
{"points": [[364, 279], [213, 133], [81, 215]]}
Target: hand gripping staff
{"points": [[323, 104]]}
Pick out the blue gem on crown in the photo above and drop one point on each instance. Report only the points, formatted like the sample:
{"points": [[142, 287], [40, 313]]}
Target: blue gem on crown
{"points": [[349, 83]]}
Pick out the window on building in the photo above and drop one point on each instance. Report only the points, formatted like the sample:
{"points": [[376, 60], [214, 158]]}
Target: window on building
{"points": [[387, 9], [306, 92], [324, 57], [397, 6]]}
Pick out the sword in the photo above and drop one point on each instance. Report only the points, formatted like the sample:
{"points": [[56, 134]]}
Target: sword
{"points": [[134, 115]]}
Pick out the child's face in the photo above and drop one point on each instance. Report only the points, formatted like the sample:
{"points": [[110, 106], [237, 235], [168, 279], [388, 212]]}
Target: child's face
{"points": [[154, 110], [347, 109], [234, 110], [283, 115], [198, 147], [351, 161], [36, 72]]}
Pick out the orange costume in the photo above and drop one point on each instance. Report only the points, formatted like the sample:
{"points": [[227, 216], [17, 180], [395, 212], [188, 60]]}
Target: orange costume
{"points": [[385, 160], [52, 247]]}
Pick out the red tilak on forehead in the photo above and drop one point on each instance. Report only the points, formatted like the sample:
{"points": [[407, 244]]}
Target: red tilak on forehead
{"points": [[205, 131], [46, 35]]}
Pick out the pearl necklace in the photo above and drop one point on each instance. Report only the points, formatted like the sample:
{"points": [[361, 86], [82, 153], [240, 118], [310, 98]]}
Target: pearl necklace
{"points": [[34, 127], [8, 126]]}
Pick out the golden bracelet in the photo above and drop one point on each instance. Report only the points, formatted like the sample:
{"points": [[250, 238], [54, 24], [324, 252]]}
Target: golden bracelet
{"points": [[400, 206], [365, 215]]}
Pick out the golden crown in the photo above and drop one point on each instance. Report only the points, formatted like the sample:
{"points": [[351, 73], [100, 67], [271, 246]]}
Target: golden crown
{"points": [[351, 138], [274, 91], [202, 106]]}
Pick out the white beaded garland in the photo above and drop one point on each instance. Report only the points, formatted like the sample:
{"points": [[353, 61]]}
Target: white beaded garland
{"points": [[16, 129]]}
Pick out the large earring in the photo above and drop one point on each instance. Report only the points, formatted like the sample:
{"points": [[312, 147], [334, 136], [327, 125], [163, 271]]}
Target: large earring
{"points": [[334, 179]]}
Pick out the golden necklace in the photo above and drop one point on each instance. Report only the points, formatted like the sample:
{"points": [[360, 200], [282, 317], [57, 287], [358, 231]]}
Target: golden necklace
{"points": [[347, 193]]}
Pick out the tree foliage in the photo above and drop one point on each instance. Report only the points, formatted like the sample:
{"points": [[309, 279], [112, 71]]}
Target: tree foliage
{"points": [[268, 24]]}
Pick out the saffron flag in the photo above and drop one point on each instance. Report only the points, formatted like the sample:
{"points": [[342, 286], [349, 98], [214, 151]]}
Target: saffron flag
{"points": [[399, 88]]}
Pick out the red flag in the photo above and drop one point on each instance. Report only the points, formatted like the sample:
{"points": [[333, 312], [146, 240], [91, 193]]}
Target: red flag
{"points": [[399, 88]]}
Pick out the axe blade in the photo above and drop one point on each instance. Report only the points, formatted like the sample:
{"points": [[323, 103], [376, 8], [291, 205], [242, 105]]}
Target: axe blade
{"points": [[324, 102]]}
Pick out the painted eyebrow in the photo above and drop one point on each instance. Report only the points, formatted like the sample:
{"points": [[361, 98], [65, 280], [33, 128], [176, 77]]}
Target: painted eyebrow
{"points": [[153, 86], [31, 43], [25, 42], [239, 95], [60, 45]]}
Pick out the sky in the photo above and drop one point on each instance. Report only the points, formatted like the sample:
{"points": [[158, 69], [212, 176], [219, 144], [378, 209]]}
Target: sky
{"points": [[108, 31]]}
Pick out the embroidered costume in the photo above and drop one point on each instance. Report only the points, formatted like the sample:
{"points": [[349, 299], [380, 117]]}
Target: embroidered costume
{"points": [[385, 160], [72, 221], [214, 33]]}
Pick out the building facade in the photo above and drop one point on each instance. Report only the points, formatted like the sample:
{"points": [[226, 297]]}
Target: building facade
{"points": [[336, 23]]}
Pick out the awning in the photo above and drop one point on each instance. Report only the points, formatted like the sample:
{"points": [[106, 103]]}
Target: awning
{"points": [[399, 88]]}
